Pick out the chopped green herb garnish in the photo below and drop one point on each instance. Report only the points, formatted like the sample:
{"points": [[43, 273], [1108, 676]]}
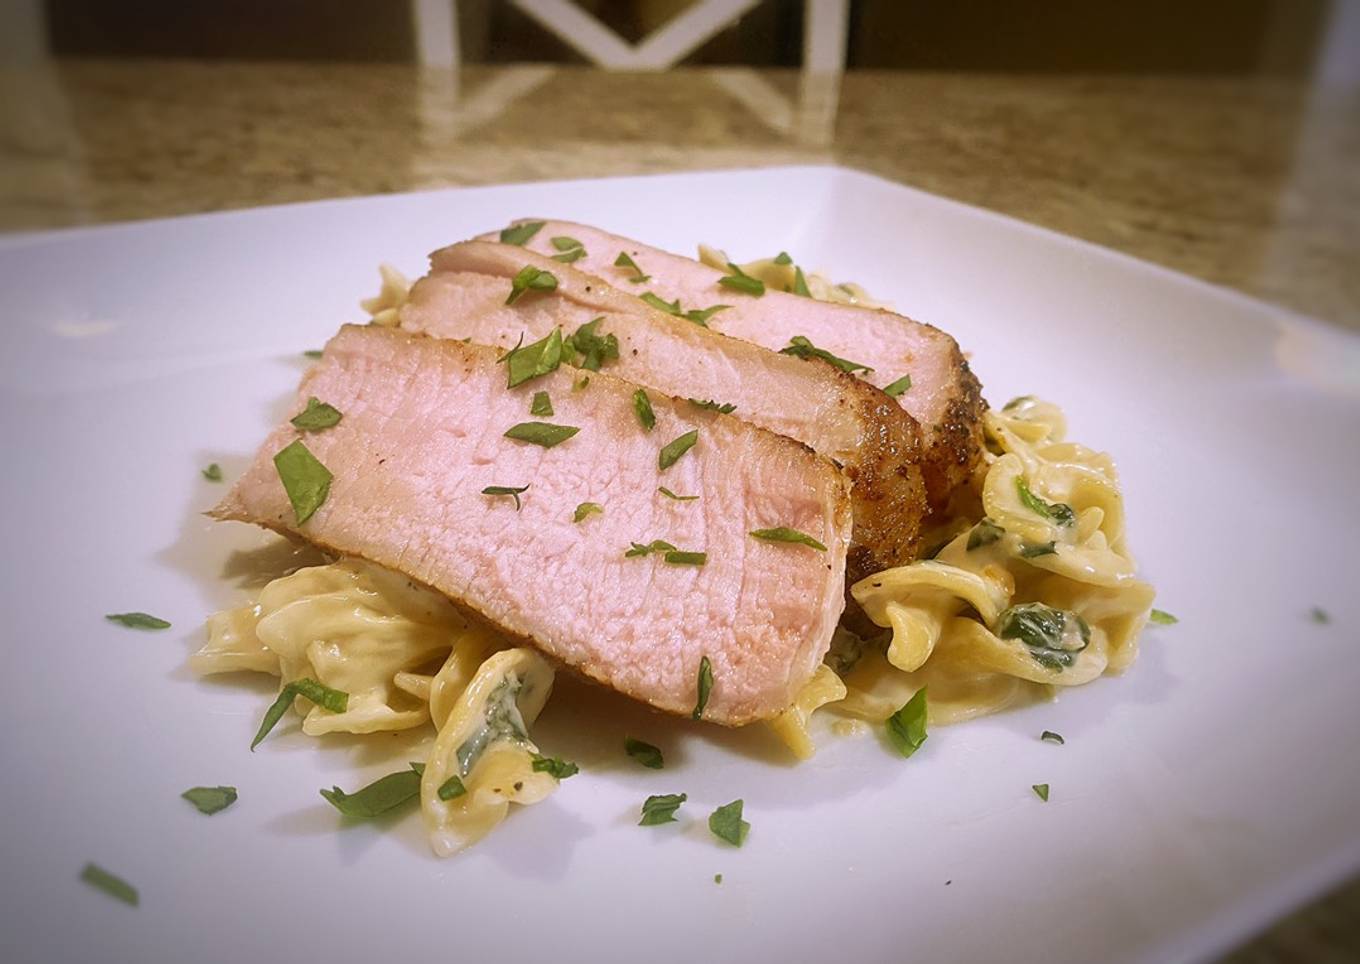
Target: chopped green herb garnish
{"points": [[678, 498], [783, 258], [138, 620], [660, 808], [111, 884], [555, 768], [384, 794], [907, 727], [660, 304], [717, 878], [623, 261], [671, 453], [521, 233], [312, 353], [1319, 615], [594, 348], [646, 754], [800, 286], [801, 347], [306, 480], [510, 490], [1054, 637], [530, 278], [700, 316], [705, 687], [895, 389], [213, 473], [726, 823], [1041, 791], [1059, 512], [323, 696], [564, 243], [210, 800], [785, 534], [451, 789], [1049, 736], [541, 406], [739, 280], [643, 406], [984, 534], [723, 408], [1032, 550], [677, 557], [646, 549], [318, 415], [572, 250], [1162, 618], [541, 433], [585, 509]]}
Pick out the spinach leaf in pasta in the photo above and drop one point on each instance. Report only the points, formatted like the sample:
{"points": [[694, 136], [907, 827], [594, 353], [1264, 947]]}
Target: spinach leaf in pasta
{"points": [[1059, 512], [333, 700], [907, 727], [1054, 637]]}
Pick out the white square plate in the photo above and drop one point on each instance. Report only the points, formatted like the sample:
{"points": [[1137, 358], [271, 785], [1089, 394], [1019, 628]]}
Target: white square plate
{"points": [[1209, 789]]}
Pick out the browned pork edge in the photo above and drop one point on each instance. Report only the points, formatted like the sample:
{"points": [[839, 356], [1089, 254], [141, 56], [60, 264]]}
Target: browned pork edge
{"points": [[840, 416], [421, 437]]}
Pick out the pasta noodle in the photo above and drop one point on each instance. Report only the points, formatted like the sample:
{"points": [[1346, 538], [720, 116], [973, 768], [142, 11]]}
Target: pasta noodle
{"points": [[782, 276]]}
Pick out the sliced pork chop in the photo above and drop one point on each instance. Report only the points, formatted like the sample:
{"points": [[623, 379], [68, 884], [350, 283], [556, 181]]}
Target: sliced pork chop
{"points": [[423, 434], [838, 415], [944, 397]]}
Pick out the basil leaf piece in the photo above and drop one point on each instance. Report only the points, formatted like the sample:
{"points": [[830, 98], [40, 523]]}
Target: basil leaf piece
{"points": [[1054, 637], [678, 557], [138, 620], [678, 498], [907, 727], [555, 768], [1162, 618], [705, 688], [660, 304], [1048, 736], [210, 800], [306, 480], [594, 348], [530, 278], [1319, 615], [623, 261], [801, 347], [785, 534], [213, 473], [739, 280], [1041, 791], [541, 405], [510, 490], [783, 258], [541, 433], [722, 408], [570, 256], [895, 389], [323, 696], [725, 823], [643, 406], [312, 353], [671, 453], [1032, 550], [533, 360], [800, 283], [660, 808], [318, 415], [451, 789], [646, 549], [570, 248], [1059, 512], [984, 534], [111, 884], [644, 753], [520, 233], [384, 794], [585, 509], [701, 316]]}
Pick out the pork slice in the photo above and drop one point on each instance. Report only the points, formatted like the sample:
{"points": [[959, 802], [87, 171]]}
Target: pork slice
{"points": [[944, 397], [423, 433], [838, 415]]}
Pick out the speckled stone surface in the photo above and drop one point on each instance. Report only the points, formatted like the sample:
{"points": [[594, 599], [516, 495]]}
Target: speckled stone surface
{"points": [[1252, 184]]}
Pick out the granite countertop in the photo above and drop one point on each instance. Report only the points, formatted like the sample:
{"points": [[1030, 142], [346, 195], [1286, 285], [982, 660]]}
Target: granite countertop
{"points": [[1248, 183]]}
